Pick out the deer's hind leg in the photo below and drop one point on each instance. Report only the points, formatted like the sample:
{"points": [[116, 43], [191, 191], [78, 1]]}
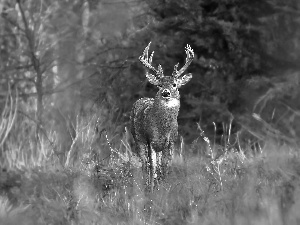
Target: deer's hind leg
{"points": [[166, 159]]}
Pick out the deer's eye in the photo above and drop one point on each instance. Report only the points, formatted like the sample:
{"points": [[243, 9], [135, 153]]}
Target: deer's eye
{"points": [[174, 85]]}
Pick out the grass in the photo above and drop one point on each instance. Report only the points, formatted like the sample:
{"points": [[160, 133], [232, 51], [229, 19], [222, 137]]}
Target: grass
{"points": [[89, 186]]}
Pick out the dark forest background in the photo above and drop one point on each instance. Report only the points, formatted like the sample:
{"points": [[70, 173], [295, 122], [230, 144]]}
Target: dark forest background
{"points": [[69, 58], [69, 75]]}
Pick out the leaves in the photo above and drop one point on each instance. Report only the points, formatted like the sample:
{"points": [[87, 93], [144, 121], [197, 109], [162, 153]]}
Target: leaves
{"points": [[233, 43], [85, 53]]}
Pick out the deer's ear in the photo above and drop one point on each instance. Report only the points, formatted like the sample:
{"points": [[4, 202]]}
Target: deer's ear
{"points": [[184, 79], [152, 79]]}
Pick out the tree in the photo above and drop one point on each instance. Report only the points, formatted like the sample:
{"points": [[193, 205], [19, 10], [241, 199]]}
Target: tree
{"points": [[28, 60], [232, 43]]}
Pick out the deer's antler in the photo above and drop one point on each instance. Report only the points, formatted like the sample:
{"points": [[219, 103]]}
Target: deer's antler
{"points": [[148, 61], [189, 58]]}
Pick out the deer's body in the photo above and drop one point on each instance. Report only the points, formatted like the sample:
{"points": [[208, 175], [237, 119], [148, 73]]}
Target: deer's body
{"points": [[154, 121]]}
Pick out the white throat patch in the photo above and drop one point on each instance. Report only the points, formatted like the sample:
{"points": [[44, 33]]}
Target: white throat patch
{"points": [[173, 102]]}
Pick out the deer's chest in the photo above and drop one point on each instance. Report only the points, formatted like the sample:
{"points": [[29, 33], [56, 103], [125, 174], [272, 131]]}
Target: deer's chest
{"points": [[162, 135], [161, 124]]}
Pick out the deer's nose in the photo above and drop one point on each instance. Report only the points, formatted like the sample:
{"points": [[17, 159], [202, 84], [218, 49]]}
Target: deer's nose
{"points": [[166, 93]]}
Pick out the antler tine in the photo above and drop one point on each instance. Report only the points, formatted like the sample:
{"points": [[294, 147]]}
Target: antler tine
{"points": [[147, 61], [189, 58]]}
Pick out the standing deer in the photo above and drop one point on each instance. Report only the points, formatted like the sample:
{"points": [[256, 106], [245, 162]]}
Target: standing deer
{"points": [[154, 121]]}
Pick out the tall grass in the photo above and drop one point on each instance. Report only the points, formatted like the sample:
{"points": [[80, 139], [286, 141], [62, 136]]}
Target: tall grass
{"points": [[99, 181]]}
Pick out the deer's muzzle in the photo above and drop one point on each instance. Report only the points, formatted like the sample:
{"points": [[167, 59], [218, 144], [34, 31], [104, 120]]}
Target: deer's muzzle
{"points": [[166, 93]]}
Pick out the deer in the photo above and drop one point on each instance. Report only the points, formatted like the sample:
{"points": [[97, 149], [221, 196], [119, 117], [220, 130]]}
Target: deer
{"points": [[154, 125]]}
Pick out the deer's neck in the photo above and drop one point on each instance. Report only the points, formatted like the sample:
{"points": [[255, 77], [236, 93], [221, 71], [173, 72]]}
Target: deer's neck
{"points": [[165, 112]]}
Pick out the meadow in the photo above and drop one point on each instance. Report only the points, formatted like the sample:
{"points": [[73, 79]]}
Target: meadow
{"points": [[70, 74], [99, 181]]}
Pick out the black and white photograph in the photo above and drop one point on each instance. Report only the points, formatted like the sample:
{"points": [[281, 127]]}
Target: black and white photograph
{"points": [[149, 112]]}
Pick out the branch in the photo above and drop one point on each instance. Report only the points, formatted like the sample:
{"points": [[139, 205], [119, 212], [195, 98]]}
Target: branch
{"points": [[104, 51], [14, 24], [17, 67], [29, 35], [41, 127]]}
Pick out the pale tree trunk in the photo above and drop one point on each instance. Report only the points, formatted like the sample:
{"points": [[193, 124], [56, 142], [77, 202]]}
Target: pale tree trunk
{"points": [[35, 60], [67, 102]]}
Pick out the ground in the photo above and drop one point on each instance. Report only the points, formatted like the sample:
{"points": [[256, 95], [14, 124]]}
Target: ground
{"points": [[236, 186]]}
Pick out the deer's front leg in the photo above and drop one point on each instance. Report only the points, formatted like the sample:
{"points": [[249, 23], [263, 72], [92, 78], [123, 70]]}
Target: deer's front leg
{"points": [[166, 159], [143, 153], [153, 168], [158, 166]]}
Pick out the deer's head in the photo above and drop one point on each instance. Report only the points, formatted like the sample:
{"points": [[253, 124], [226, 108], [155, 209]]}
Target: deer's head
{"points": [[168, 85]]}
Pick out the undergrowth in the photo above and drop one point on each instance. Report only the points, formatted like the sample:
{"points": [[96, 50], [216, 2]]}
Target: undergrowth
{"points": [[99, 181]]}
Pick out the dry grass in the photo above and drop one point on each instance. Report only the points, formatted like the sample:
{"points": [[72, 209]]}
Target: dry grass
{"points": [[203, 187]]}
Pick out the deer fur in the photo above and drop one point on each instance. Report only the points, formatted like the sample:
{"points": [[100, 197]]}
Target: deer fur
{"points": [[154, 121]]}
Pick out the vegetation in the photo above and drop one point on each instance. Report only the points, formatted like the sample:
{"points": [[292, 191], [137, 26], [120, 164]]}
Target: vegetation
{"points": [[70, 74]]}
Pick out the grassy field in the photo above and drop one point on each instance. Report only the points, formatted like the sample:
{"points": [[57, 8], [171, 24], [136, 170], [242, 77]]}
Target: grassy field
{"points": [[99, 182]]}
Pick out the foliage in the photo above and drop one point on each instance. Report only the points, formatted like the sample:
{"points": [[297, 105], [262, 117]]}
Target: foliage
{"points": [[69, 74], [42, 43], [231, 187], [233, 42]]}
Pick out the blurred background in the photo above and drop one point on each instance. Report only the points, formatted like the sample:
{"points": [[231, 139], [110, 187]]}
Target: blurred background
{"points": [[69, 75], [61, 60]]}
